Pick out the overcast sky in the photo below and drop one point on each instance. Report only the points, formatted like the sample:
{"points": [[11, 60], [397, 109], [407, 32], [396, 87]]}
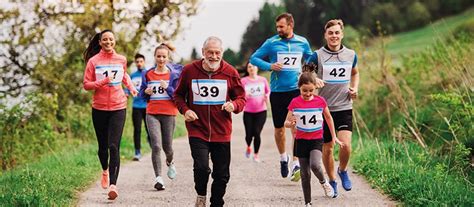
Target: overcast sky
{"points": [[227, 19]]}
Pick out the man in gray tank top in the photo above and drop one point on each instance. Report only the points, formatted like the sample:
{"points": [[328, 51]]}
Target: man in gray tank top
{"points": [[337, 66]]}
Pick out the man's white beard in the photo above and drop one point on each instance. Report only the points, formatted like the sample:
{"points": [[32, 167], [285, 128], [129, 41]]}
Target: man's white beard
{"points": [[213, 66]]}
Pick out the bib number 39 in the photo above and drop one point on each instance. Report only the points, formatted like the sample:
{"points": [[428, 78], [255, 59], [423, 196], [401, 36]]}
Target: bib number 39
{"points": [[209, 91]]}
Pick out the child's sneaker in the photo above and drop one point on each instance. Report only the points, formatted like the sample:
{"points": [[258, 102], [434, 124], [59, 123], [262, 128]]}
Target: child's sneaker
{"points": [[247, 152], [171, 171], [296, 174], [104, 181], [159, 184], [113, 193], [328, 191], [333, 184]]}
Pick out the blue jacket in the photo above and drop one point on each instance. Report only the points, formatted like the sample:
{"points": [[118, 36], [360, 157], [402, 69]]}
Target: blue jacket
{"points": [[287, 80], [138, 101], [175, 72]]}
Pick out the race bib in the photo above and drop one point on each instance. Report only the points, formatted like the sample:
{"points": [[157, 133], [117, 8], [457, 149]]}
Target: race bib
{"points": [[114, 71], [137, 82], [309, 119], [255, 89], [291, 60], [337, 72], [159, 93], [209, 91]]}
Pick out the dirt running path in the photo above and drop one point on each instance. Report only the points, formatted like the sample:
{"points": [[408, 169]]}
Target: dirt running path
{"points": [[251, 184]]}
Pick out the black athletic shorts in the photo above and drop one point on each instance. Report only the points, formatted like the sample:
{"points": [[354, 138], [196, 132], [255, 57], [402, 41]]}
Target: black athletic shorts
{"points": [[342, 121], [279, 102], [304, 147]]}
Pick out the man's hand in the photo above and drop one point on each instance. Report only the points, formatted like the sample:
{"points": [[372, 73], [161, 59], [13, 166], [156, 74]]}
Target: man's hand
{"points": [[276, 66], [190, 116], [228, 106], [353, 93]]}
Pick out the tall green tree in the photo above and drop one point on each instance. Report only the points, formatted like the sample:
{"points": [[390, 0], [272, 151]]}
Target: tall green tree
{"points": [[259, 29], [42, 43]]}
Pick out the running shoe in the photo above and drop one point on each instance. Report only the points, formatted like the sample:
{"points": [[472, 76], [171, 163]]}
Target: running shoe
{"points": [[346, 182], [200, 201], [333, 184], [104, 181], [256, 158], [328, 191], [247, 152], [171, 171], [137, 156], [159, 184], [296, 174], [308, 205], [113, 193], [284, 167]]}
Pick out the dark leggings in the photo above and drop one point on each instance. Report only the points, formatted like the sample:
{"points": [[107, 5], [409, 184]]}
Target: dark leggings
{"points": [[253, 127], [108, 127], [137, 116]]}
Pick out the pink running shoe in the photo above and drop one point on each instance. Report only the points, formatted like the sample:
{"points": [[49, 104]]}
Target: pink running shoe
{"points": [[104, 181]]}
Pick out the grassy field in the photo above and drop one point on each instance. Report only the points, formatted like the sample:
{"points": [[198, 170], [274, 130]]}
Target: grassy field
{"points": [[419, 39], [57, 178], [415, 114]]}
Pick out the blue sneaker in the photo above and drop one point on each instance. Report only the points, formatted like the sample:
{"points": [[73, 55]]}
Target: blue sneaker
{"points": [[346, 182], [284, 168], [333, 184]]}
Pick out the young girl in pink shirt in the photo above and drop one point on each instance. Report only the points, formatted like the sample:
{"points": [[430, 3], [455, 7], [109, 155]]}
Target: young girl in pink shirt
{"points": [[255, 111], [306, 113], [105, 72]]}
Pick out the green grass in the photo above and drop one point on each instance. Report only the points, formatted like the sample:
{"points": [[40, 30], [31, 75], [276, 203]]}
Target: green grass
{"points": [[410, 174], [57, 178], [419, 39]]}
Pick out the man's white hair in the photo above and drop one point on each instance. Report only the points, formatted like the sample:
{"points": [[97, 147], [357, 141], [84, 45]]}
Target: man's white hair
{"points": [[212, 38]]}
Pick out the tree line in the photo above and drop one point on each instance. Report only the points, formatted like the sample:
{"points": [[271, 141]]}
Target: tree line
{"points": [[363, 18]]}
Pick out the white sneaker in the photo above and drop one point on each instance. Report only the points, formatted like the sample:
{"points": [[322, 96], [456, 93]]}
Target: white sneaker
{"points": [[159, 183], [308, 205], [328, 191], [200, 201], [171, 171]]}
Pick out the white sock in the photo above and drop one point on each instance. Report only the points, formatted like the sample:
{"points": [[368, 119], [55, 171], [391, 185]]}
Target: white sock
{"points": [[295, 163], [283, 157]]}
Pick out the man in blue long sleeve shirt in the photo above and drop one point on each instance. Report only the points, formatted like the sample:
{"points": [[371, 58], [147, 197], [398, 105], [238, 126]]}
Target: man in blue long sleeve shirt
{"points": [[139, 106], [286, 52]]}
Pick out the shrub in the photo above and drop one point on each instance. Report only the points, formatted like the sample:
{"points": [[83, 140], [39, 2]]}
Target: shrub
{"points": [[417, 15]]}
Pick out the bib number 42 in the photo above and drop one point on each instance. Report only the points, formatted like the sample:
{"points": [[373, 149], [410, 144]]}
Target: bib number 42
{"points": [[334, 72]]}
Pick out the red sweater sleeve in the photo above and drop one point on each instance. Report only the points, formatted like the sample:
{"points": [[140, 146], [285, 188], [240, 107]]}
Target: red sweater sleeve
{"points": [[90, 82], [181, 92]]}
